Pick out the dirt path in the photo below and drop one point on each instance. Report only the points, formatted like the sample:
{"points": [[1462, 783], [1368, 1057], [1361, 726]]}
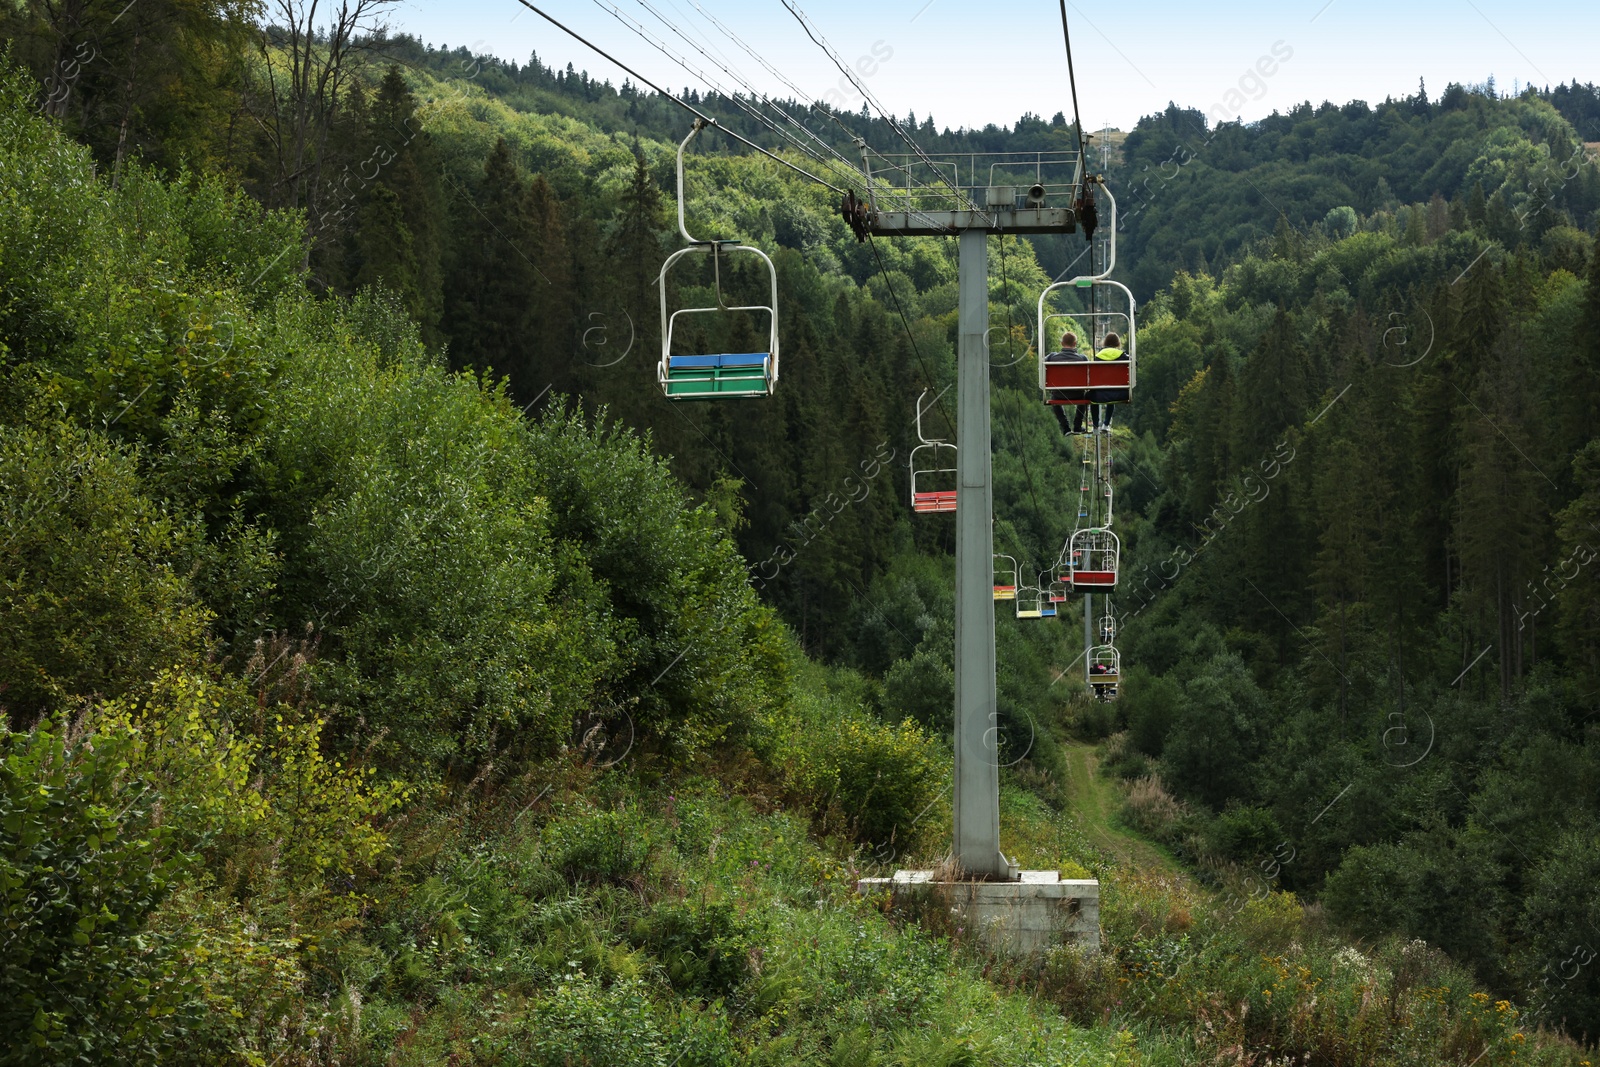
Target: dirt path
{"points": [[1096, 800]]}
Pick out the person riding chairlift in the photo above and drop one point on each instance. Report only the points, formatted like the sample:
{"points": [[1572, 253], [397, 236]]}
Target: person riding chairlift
{"points": [[1068, 354], [1099, 690], [1100, 400]]}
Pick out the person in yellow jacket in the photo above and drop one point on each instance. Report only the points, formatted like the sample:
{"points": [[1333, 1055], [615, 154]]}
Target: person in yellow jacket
{"points": [[1102, 399]]}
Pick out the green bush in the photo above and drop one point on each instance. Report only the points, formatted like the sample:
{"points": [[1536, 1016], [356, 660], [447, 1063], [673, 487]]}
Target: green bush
{"points": [[1150, 702], [92, 595], [922, 689], [1120, 760], [705, 659], [598, 847], [1243, 834], [412, 532], [703, 948], [159, 797], [881, 785], [84, 863], [584, 1024]]}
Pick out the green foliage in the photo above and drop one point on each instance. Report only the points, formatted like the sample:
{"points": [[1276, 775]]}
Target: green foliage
{"points": [[83, 864], [206, 459], [703, 949], [1244, 834], [425, 547], [93, 594], [881, 784], [596, 846], [1224, 720], [705, 658]]}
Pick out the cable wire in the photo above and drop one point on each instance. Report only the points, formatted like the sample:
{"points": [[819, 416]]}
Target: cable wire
{"points": [[948, 418], [1072, 80], [802, 95], [655, 42], [842, 170], [681, 103], [867, 95]]}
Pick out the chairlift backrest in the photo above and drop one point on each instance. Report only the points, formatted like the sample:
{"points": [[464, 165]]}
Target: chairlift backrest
{"points": [[1093, 555], [1066, 382]]}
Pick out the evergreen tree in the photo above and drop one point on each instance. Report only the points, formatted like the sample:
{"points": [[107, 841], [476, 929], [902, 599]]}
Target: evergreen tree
{"points": [[1477, 207], [1499, 220], [409, 168], [386, 250], [487, 313], [551, 315], [1579, 403]]}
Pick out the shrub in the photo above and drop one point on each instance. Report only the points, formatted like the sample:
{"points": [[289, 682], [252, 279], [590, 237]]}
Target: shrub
{"points": [[1243, 834], [1091, 720], [599, 847], [90, 599], [703, 948], [273, 801], [1120, 760], [1151, 810], [100, 823], [1220, 732], [83, 864], [922, 689], [705, 658], [412, 529], [878, 783], [1151, 704], [584, 1024]]}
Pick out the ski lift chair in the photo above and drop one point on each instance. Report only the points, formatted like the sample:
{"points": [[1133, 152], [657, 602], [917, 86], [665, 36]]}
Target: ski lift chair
{"points": [[722, 375]]}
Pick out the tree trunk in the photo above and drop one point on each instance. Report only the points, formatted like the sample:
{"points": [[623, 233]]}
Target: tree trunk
{"points": [[127, 114]]}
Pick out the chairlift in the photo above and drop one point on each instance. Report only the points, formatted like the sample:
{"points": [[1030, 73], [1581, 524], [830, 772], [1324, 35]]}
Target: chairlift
{"points": [[1103, 671], [1077, 382], [1092, 556], [1030, 602], [930, 468], [1108, 629], [725, 375], [1005, 578], [1047, 597], [1091, 380]]}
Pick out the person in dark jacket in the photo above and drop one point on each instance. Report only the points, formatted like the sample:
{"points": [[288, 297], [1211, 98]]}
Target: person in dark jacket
{"points": [[1068, 354]]}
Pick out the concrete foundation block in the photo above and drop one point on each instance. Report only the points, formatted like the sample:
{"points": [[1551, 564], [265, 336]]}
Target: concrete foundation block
{"points": [[1017, 918]]}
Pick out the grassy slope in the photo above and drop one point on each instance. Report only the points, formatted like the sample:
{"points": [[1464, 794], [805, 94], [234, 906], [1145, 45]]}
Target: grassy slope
{"points": [[1096, 801]]}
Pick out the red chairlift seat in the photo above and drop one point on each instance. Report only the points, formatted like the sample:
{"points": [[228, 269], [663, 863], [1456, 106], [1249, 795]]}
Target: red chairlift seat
{"points": [[943, 500], [1097, 374]]}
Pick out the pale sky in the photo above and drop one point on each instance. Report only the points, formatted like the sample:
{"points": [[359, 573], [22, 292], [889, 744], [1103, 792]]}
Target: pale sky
{"points": [[970, 64]]}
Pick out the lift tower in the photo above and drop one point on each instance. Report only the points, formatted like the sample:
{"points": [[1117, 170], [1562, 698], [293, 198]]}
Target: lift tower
{"points": [[1020, 193]]}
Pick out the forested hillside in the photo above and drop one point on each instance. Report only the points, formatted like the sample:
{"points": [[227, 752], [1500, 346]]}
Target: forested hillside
{"points": [[1366, 579], [393, 676]]}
